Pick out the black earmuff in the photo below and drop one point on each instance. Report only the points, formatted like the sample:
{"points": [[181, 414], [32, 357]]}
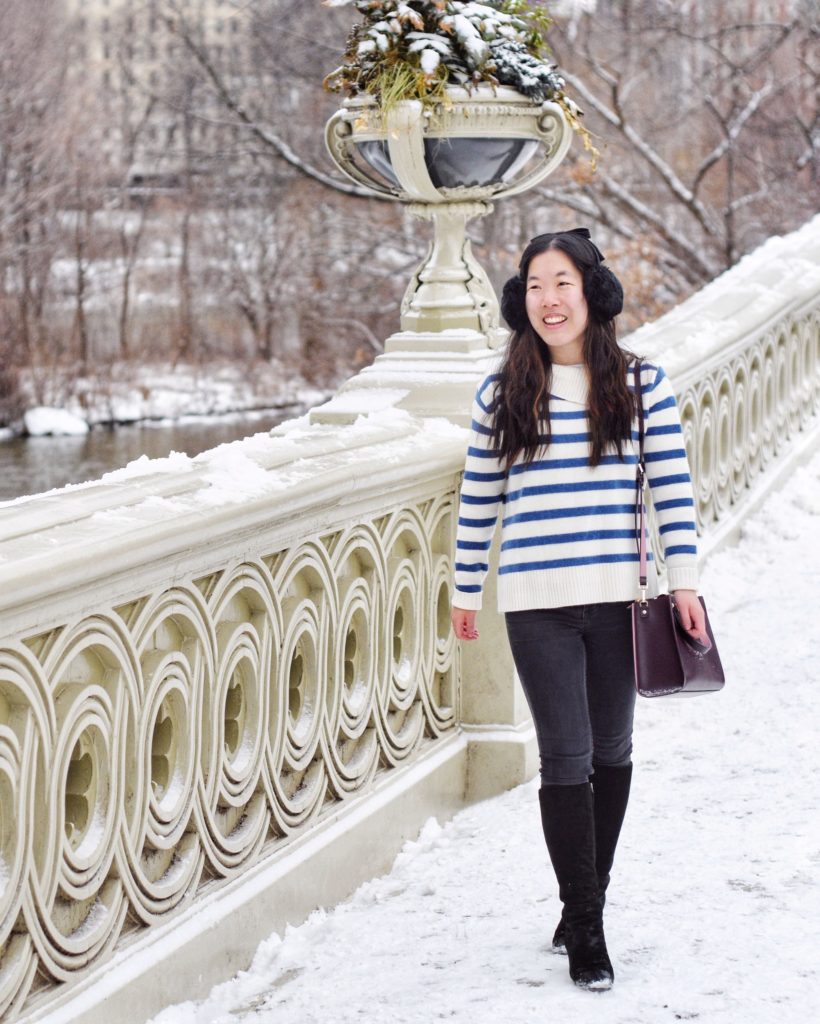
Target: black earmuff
{"points": [[604, 293], [513, 304]]}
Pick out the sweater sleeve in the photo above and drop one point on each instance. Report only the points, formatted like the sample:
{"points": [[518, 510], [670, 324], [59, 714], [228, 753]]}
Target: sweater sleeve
{"points": [[670, 482], [481, 500]]}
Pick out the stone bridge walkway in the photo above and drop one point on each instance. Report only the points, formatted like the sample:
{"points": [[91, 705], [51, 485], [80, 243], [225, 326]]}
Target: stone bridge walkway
{"points": [[714, 913]]}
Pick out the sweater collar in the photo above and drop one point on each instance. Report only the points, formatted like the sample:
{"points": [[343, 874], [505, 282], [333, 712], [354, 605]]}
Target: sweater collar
{"points": [[570, 383]]}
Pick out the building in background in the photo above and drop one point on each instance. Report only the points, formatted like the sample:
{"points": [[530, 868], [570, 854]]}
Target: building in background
{"points": [[149, 104]]}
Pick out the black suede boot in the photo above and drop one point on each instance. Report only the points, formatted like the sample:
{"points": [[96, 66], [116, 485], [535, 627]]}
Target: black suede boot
{"points": [[610, 794], [567, 818]]}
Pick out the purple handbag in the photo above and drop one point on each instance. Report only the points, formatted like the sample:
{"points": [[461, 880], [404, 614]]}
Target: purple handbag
{"points": [[668, 661]]}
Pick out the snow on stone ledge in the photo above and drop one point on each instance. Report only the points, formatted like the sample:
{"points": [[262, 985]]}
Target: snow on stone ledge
{"points": [[174, 462], [302, 464], [43, 420], [365, 399]]}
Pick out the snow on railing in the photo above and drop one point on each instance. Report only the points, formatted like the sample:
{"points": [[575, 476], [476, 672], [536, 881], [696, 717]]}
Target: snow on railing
{"points": [[204, 659]]}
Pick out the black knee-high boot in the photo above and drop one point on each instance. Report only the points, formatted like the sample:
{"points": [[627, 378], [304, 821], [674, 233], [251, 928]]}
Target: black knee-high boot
{"points": [[569, 829], [610, 794]]}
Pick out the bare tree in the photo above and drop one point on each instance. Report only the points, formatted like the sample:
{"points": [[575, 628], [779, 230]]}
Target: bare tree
{"points": [[280, 53], [32, 172], [256, 273], [82, 211], [135, 108], [233, 116], [707, 118]]}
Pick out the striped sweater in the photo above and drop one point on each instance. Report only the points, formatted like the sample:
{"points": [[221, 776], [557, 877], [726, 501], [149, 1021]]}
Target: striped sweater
{"points": [[568, 529]]}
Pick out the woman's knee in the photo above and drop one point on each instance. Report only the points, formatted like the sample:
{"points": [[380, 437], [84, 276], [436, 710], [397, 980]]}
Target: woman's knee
{"points": [[613, 751], [565, 770]]}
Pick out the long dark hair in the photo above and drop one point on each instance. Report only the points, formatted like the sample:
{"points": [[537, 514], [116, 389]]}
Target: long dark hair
{"points": [[521, 401]]}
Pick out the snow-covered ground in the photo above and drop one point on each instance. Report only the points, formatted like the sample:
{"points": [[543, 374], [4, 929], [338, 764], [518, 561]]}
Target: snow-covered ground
{"points": [[714, 909], [41, 421], [128, 393]]}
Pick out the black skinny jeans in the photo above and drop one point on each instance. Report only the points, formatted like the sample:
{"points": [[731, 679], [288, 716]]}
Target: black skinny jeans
{"points": [[576, 667]]}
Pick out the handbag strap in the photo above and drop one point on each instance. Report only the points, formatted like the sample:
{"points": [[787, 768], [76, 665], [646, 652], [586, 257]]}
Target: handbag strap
{"points": [[640, 484]]}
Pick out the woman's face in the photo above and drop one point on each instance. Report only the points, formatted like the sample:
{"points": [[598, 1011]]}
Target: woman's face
{"points": [[556, 306]]}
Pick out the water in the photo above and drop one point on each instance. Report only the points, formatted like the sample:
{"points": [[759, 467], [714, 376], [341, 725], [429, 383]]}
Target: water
{"points": [[34, 464]]}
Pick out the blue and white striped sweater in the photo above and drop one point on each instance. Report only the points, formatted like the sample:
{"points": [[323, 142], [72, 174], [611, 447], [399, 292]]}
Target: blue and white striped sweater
{"points": [[568, 529]]}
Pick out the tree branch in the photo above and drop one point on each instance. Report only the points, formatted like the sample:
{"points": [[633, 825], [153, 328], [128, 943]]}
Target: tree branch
{"points": [[732, 130], [690, 253], [269, 139], [586, 209], [618, 120]]}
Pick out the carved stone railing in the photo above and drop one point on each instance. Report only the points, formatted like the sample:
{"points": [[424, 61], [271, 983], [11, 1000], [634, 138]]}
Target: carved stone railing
{"points": [[228, 688], [744, 357], [186, 680]]}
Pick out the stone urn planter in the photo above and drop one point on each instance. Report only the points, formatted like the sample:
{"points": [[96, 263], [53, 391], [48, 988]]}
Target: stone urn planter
{"points": [[482, 143], [449, 161]]}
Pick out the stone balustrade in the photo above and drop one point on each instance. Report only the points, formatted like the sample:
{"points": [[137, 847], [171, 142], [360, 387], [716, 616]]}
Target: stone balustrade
{"points": [[189, 674], [228, 687], [743, 354]]}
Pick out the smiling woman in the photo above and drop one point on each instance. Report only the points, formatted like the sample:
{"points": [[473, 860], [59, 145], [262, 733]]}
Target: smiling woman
{"points": [[552, 450], [556, 306], [561, 275]]}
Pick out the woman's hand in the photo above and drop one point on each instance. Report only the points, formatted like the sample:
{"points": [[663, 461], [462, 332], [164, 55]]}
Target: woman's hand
{"points": [[692, 615], [463, 621]]}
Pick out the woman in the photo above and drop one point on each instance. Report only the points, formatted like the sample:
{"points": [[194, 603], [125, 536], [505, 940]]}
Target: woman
{"points": [[553, 449]]}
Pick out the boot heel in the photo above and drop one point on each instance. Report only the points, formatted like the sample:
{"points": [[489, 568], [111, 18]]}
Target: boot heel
{"points": [[559, 939]]}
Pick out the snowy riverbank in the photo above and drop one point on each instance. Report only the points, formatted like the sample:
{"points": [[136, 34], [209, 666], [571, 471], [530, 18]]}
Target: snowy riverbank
{"points": [[714, 909], [122, 393]]}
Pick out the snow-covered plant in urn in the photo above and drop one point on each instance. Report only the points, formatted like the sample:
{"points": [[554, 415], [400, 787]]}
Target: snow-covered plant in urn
{"points": [[413, 49]]}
